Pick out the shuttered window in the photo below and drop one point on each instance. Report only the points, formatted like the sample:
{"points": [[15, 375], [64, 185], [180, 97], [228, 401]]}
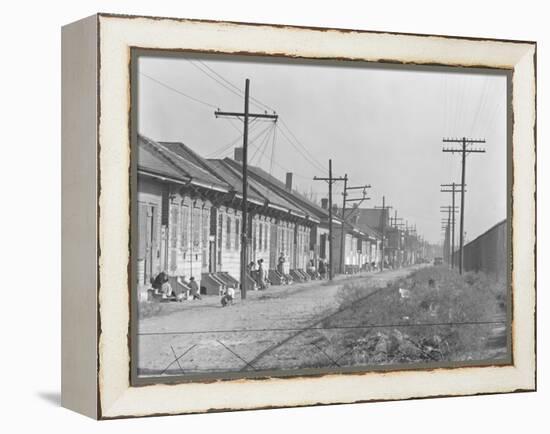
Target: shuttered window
{"points": [[196, 227], [184, 239], [220, 238], [237, 232], [228, 234], [205, 234], [260, 237], [174, 214]]}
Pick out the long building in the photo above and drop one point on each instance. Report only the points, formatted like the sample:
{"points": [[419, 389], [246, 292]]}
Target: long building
{"points": [[189, 219], [402, 247]]}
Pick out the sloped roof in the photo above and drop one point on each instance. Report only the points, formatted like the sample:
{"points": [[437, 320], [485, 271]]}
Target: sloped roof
{"points": [[305, 203], [228, 172], [167, 160], [177, 160], [293, 196], [188, 154], [152, 160], [261, 188], [234, 179]]}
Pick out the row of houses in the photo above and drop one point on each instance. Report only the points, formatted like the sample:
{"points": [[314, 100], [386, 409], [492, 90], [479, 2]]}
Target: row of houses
{"points": [[189, 219]]}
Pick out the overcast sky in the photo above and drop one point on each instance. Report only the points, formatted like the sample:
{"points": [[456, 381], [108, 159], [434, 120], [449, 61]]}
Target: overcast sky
{"points": [[381, 126]]}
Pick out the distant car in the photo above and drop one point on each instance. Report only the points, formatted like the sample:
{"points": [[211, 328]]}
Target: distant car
{"points": [[438, 261]]}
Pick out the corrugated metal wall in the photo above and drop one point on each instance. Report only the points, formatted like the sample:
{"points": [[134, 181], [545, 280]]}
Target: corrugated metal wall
{"points": [[489, 252]]}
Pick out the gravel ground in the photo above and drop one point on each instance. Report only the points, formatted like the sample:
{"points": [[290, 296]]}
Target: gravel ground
{"points": [[279, 328]]}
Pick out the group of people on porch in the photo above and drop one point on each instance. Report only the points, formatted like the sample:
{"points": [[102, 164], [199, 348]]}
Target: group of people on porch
{"points": [[180, 288], [185, 289]]}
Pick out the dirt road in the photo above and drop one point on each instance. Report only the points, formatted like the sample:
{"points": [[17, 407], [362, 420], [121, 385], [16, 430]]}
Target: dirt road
{"points": [[280, 328]]}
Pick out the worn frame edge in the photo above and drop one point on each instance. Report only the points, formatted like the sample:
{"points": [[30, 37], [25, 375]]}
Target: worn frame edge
{"points": [[529, 387], [79, 180]]}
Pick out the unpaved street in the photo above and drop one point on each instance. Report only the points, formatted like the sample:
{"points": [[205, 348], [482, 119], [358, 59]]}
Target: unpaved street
{"points": [[280, 328]]}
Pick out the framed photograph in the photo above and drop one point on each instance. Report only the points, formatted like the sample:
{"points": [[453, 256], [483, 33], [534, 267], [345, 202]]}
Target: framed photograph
{"points": [[261, 216]]}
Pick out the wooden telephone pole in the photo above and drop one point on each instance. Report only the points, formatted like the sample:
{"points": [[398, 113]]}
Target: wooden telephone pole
{"points": [[246, 115], [464, 150], [330, 180], [344, 202], [453, 189], [384, 207], [450, 222]]}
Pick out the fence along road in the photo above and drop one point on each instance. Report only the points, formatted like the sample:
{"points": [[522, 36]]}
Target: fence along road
{"points": [[488, 252]]}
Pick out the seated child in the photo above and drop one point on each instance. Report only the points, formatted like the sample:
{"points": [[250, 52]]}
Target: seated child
{"points": [[228, 297]]}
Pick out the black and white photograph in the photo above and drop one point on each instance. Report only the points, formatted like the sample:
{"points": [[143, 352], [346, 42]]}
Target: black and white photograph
{"points": [[286, 217], [297, 217]]}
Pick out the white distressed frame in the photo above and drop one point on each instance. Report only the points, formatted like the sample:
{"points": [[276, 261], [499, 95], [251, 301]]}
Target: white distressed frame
{"points": [[116, 35]]}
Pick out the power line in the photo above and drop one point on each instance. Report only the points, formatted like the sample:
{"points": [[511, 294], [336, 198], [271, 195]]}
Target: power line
{"points": [[286, 169], [271, 132], [262, 144], [284, 124], [273, 151], [480, 105], [315, 165], [236, 87], [173, 89], [225, 147], [237, 93], [233, 88]]}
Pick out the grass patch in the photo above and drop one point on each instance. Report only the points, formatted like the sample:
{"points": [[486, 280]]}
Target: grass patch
{"points": [[432, 315]]}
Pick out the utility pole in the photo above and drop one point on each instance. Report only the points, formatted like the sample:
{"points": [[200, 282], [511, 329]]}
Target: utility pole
{"points": [[342, 266], [384, 207], [446, 235], [344, 201], [451, 212], [397, 223], [330, 180], [244, 206], [453, 189], [464, 150]]}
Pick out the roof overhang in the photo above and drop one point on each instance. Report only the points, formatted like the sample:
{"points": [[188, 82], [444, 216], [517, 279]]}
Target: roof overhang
{"points": [[163, 178]]}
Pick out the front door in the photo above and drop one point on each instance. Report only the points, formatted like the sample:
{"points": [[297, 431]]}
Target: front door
{"points": [[147, 242], [212, 256]]}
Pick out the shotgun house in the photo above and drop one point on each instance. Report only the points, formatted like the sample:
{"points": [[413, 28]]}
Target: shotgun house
{"points": [[312, 240], [347, 257], [360, 246], [189, 209], [175, 199], [371, 223], [277, 227], [395, 246], [290, 227]]}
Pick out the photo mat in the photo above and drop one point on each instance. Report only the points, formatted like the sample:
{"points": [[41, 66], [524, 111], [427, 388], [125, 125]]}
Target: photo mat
{"points": [[164, 346]]}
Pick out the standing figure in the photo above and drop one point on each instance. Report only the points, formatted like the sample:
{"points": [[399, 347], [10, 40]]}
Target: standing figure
{"points": [[281, 263], [322, 268], [195, 292], [261, 275]]}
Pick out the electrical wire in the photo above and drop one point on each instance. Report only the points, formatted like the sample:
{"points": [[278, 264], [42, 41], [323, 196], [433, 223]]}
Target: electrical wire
{"points": [[167, 86]]}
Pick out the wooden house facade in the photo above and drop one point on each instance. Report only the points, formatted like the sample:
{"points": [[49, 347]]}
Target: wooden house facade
{"points": [[189, 219]]}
